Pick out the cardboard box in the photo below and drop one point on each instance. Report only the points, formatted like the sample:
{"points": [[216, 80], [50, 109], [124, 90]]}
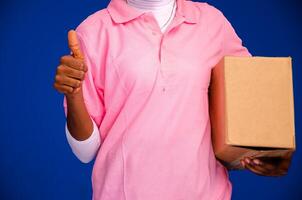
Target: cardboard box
{"points": [[251, 108]]}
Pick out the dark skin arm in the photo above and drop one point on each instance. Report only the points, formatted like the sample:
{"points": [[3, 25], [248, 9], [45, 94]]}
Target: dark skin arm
{"points": [[68, 80], [268, 166]]}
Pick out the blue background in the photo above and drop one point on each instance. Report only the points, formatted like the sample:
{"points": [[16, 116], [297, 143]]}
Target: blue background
{"points": [[36, 161]]}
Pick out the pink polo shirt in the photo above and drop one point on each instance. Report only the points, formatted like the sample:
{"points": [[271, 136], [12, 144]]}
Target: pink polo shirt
{"points": [[147, 91]]}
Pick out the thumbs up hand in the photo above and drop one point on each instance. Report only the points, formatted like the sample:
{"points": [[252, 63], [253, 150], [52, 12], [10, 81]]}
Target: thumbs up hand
{"points": [[71, 71]]}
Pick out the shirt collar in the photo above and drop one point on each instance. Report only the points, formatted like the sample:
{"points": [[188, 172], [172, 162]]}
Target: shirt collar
{"points": [[121, 12]]}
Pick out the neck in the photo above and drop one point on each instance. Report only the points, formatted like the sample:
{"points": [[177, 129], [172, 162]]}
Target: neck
{"points": [[149, 4]]}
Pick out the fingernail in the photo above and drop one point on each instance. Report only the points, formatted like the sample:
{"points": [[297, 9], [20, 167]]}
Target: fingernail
{"points": [[256, 161], [247, 160], [242, 163]]}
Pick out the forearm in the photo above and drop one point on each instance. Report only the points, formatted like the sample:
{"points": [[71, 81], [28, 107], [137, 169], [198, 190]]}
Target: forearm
{"points": [[85, 150], [78, 120]]}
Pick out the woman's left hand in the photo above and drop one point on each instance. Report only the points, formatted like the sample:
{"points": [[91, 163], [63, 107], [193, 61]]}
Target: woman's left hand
{"points": [[268, 166]]}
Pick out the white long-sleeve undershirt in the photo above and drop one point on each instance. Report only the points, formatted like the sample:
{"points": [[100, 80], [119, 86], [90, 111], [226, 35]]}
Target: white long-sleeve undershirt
{"points": [[163, 11], [85, 150]]}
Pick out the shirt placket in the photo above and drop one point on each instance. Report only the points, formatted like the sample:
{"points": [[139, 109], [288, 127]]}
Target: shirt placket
{"points": [[158, 38]]}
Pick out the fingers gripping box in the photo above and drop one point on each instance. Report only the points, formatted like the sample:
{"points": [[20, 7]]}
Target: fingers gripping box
{"points": [[251, 108]]}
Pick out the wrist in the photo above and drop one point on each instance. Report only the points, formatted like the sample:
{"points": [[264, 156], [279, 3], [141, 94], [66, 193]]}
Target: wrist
{"points": [[71, 97]]}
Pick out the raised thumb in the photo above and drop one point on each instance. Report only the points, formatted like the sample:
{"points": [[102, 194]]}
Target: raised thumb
{"points": [[74, 46]]}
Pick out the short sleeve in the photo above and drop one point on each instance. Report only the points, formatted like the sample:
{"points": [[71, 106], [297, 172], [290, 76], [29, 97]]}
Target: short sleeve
{"points": [[231, 43], [93, 91]]}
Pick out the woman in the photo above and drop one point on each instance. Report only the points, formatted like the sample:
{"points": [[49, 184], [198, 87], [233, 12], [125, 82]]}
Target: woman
{"points": [[139, 99]]}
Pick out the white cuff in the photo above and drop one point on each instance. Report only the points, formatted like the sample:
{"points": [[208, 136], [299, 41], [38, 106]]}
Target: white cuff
{"points": [[85, 150]]}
